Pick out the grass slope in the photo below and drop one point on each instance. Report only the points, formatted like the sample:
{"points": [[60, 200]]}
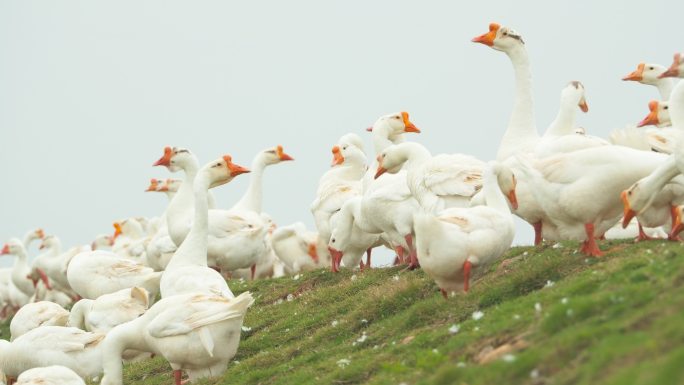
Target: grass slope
{"points": [[550, 317]]}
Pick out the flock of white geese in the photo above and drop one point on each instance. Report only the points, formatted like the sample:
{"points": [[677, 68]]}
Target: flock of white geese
{"points": [[446, 214]]}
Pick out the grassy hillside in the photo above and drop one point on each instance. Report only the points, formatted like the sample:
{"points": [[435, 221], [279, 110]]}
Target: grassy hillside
{"points": [[550, 316]]}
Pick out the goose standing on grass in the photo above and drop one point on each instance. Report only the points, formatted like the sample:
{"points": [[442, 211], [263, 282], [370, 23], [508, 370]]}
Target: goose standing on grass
{"points": [[53, 267], [340, 183], [21, 287], [37, 314], [458, 239], [348, 241], [387, 205], [49, 375], [649, 74], [76, 349], [197, 333], [187, 271]]}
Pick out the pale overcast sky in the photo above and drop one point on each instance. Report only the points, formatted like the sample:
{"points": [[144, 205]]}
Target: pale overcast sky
{"points": [[91, 91]]}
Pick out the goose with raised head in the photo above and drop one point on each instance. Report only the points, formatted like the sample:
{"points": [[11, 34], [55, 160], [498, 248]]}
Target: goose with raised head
{"points": [[299, 248], [387, 203], [129, 238], [348, 241], [21, 287], [340, 183], [237, 237], [37, 314], [676, 70], [649, 74], [160, 248], [658, 115], [50, 375], [451, 243], [196, 333], [187, 270], [33, 235], [76, 349]]}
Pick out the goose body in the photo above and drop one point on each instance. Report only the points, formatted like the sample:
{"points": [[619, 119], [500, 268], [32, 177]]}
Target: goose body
{"points": [[50, 375], [109, 310], [299, 248], [37, 314]]}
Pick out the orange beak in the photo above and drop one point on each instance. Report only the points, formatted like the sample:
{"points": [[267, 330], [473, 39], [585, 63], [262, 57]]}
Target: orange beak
{"points": [[282, 155], [117, 230], [628, 213], [313, 253], [153, 185], [583, 105], [488, 38], [5, 250], [40, 233], [338, 158], [165, 160], [369, 129], [233, 168], [637, 75], [652, 117], [513, 199], [408, 126], [673, 71], [381, 170]]}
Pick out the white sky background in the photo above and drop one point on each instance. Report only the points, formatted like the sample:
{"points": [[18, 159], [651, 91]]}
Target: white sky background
{"points": [[91, 91]]}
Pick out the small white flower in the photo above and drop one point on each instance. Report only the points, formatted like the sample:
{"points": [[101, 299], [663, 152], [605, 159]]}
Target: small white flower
{"points": [[353, 277], [557, 246], [296, 277], [649, 251], [362, 338], [236, 362], [376, 346], [477, 328], [477, 315], [538, 307], [516, 316], [508, 357], [564, 301], [279, 301], [246, 328], [396, 277], [435, 351], [343, 362], [461, 364], [549, 283], [534, 373], [454, 329], [290, 297], [364, 321], [525, 254], [334, 323]]}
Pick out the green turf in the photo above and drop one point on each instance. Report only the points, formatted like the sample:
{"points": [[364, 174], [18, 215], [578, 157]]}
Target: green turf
{"points": [[551, 316]]}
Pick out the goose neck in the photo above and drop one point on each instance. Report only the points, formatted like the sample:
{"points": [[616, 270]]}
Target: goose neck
{"points": [[251, 200]]}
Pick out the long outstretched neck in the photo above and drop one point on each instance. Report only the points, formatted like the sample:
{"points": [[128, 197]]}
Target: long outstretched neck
{"points": [[120, 338], [665, 87], [521, 125], [381, 138], [251, 199], [565, 120], [494, 198], [185, 190], [661, 176], [193, 250], [29, 238]]}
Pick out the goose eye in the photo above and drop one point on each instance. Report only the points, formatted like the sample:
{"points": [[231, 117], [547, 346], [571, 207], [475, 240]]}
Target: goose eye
{"points": [[651, 68], [344, 148], [332, 240], [397, 117], [217, 164], [666, 107]]}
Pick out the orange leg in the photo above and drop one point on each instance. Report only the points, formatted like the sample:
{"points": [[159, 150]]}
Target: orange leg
{"points": [[466, 275], [400, 255], [368, 257], [537, 233], [444, 293], [590, 247], [676, 227], [413, 264], [642, 235], [253, 269]]}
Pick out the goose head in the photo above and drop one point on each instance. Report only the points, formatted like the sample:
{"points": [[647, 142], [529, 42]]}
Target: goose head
{"points": [[634, 199], [347, 154], [646, 73], [176, 159], [676, 70], [351, 139], [274, 155], [13, 247], [223, 170], [500, 38], [659, 114], [506, 180], [390, 160], [102, 240], [35, 234], [573, 94], [49, 242], [398, 123], [170, 185], [154, 185]]}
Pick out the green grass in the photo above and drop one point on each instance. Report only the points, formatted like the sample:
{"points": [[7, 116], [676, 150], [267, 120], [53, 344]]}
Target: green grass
{"points": [[614, 320]]}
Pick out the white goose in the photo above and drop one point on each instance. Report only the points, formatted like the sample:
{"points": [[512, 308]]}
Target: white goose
{"points": [[299, 248], [37, 314], [52, 266], [348, 241], [341, 182], [76, 349], [198, 333], [387, 205], [160, 249], [456, 240], [659, 115], [129, 238], [20, 286], [109, 310], [662, 139], [95, 273], [49, 375], [649, 74], [188, 271]]}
